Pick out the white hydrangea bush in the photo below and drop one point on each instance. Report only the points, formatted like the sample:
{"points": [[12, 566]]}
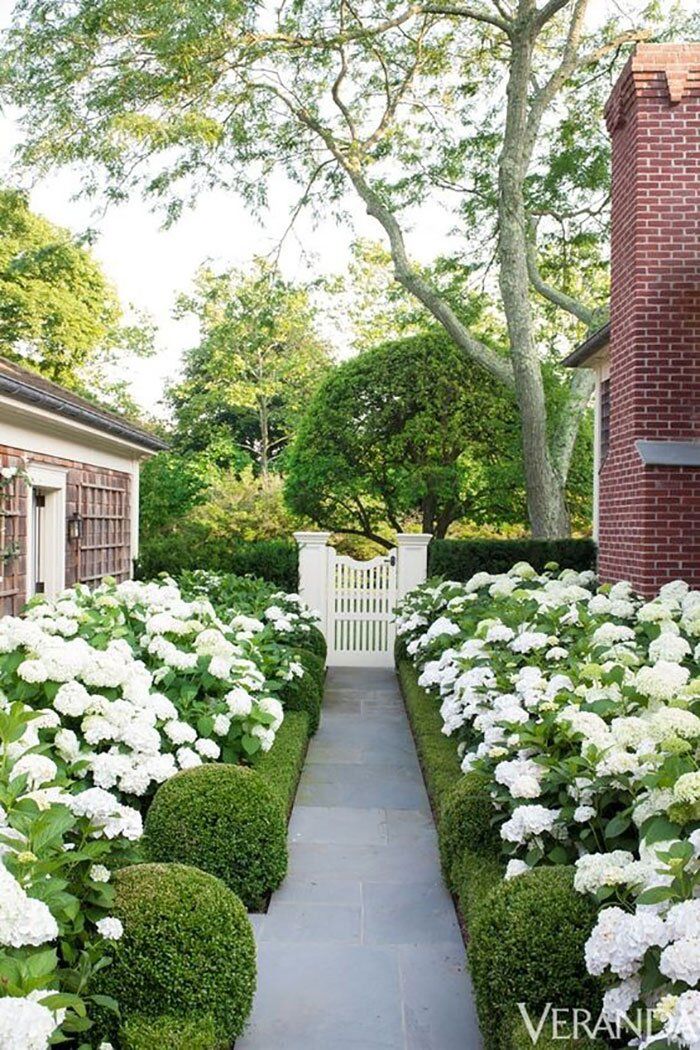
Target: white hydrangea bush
{"points": [[141, 684], [580, 705], [58, 845]]}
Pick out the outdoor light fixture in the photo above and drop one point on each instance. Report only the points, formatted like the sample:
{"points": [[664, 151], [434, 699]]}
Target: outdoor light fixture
{"points": [[75, 526]]}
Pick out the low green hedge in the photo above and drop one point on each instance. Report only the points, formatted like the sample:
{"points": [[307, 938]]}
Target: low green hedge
{"points": [[227, 821], [437, 753], [273, 560], [526, 935], [315, 642], [460, 559], [466, 824], [526, 945], [187, 955], [303, 694], [313, 663], [281, 766], [168, 1033]]}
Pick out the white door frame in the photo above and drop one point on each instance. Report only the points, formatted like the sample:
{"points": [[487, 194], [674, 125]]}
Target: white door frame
{"points": [[52, 481]]}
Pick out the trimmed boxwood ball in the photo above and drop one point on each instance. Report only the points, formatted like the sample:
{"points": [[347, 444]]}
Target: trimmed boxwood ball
{"points": [[168, 1033], [303, 694], [315, 642], [187, 954], [527, 945], [314, 664], [225, 820], [466, 819]]}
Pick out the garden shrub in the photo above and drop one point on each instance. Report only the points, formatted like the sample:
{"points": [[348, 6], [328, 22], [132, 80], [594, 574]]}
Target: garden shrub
{"points": [[225, 820], [316, 643], [303, 694], [460, 559], [313, 664], [466, 822], [281, 766], [437, 753], [473, 877], [526, 945], [187, 952], [273, 560], [168, 1033]]}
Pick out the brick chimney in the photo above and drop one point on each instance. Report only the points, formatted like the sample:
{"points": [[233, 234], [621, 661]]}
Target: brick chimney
{"points": [[649, 483]]}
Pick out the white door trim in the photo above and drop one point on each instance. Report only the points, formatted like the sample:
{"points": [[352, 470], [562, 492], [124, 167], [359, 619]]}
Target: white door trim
{"points": [[52, 480]]}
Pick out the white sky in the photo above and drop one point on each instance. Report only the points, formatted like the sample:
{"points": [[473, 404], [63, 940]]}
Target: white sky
{"points": [[150, 265]]}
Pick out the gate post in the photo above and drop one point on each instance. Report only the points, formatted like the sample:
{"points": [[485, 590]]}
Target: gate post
{"points": [[412, 558], [313, 572]]}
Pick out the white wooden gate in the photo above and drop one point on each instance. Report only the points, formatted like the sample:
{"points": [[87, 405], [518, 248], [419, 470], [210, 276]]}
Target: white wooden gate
{"points": [[360, 604]]}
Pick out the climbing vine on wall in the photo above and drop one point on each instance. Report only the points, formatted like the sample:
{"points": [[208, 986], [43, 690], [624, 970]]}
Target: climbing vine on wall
{"points": [[9, 476]]}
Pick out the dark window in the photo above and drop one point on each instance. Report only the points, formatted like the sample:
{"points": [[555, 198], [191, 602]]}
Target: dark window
{"points": [[604, 420]]}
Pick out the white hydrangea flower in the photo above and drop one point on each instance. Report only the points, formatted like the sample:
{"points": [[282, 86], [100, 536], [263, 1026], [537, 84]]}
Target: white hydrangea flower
{"points": [[25, 1024], [24, 921], [110, 928]]}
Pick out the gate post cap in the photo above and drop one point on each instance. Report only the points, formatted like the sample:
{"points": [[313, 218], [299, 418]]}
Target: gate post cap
{"points": [[306, 539], [417, 539]]}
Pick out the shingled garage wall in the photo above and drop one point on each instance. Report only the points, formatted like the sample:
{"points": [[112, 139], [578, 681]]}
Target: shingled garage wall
{"points": [[649, 529], [101, 495]]}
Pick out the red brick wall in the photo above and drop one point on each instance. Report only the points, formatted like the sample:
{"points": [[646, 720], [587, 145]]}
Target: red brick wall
{"points": [[101, 495], [649, 529]]}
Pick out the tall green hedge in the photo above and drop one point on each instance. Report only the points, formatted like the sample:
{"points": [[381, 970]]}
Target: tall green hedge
{"points": [[460, 559], [273, 560]]}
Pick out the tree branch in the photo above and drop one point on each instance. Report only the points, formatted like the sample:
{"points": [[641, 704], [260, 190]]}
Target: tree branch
{"points": [[475, 13], [564, 437], [554, 295]]}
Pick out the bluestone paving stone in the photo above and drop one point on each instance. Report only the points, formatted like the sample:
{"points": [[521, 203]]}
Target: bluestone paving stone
{"points": [[320, 923], [408, 913], [363, 827], [360, 948]]}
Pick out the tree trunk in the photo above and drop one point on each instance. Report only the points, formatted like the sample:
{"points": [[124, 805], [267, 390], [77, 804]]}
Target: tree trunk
{"points": [[546, 501], [264, 438]]}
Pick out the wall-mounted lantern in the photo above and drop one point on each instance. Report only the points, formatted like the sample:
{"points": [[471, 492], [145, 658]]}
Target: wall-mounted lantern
{"points": [[75, 527]]}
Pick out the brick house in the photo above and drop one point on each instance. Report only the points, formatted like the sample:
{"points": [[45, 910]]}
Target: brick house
{"points": [[78, 519], [647, 360]]}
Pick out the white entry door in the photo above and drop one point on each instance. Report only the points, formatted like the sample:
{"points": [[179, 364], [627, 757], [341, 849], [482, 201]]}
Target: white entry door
{"points": [[361, 600]]}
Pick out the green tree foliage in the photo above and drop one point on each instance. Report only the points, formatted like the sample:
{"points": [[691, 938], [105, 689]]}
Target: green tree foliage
{"points": [[257, 362], [58, 312], [410, 430], [489, 111]]}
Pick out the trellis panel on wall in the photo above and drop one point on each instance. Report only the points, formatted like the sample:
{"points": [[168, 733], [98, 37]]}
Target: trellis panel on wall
{"points": [[104, 549], [12, 536]]}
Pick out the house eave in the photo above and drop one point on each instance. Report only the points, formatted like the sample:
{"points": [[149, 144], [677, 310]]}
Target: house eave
{"points": [[588, 353], [15, 390]]}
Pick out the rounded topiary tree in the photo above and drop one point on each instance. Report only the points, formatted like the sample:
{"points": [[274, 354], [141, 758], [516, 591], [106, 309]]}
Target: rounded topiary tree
{"points": [[187, 952], [466, 822], [225, 820], [527, 946], [303, 694]]}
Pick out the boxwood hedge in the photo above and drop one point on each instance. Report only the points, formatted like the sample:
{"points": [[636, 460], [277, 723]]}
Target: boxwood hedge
{"points": [[525, 935], [187, 955], [460, 559], [225, 820]]}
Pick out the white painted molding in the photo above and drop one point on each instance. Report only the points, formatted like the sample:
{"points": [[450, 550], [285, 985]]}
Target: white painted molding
{"points": [[52, 480]]}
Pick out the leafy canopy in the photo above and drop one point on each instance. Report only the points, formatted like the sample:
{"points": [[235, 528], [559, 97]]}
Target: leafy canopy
{"points": [[407, 431], [58, 312], [258, 360]]}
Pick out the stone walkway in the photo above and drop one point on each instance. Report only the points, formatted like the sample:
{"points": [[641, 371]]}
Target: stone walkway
{"points": [[360, 948]]}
